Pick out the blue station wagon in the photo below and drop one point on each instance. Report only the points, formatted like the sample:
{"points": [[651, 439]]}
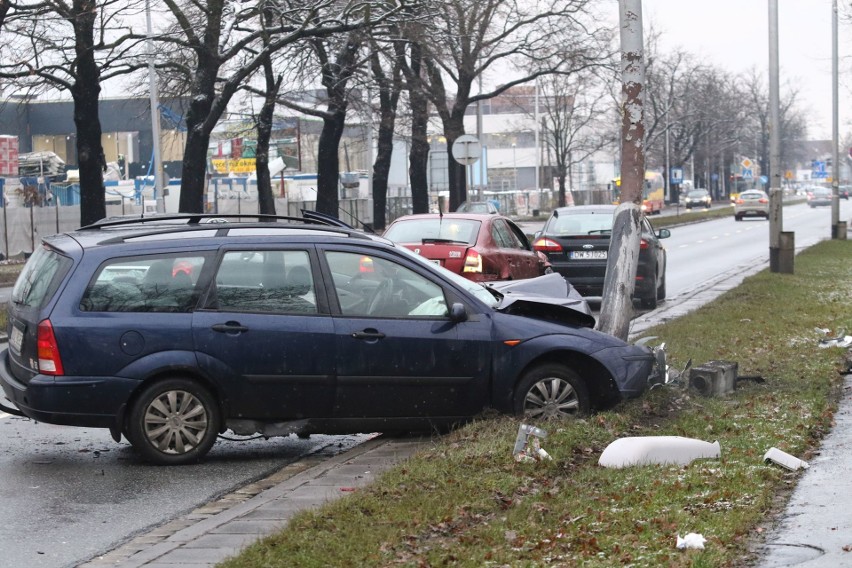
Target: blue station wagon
{"points": [[172, 330]]}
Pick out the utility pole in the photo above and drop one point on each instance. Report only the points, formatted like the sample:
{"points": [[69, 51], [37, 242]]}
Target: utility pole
{"points": [[836, 227], [781, 247], [623, 255], [153, 93]]}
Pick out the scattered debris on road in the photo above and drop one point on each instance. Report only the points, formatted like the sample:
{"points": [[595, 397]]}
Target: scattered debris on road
{"points": [[691, 540], [662, 450], [528, 444], [784, 459]]}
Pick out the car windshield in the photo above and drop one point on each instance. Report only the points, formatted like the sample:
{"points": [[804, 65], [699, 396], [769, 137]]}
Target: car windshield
{"points": [[483, 294], [580, 224], [821, 191], [463, 231], [697, 193]]}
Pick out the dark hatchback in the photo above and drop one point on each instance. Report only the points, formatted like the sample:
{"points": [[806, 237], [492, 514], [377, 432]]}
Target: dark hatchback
{"points": [[576, 241], [170, 331]]}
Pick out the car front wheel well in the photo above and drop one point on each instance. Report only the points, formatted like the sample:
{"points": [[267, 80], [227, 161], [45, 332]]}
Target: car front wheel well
{"points": [[598, 380]]}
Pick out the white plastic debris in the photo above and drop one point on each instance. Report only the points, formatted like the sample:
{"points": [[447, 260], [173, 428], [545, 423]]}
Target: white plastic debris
{"points": [[784, 459], [528, 444], [691, 540], [840, 340], [646, 450]]}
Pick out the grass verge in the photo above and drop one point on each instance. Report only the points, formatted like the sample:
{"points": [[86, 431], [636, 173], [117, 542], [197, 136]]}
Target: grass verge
{"points": [[463, 501]]}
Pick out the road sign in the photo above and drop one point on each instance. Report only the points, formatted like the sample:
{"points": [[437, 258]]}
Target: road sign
{"points": [[818, 170], [746, 164], [676, 175], [467, 149], [747, 173]]}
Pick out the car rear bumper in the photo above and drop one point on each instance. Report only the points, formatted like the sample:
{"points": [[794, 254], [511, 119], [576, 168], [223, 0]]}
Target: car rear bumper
{"points": [[592, 286], [752, 213], [96, 400]]}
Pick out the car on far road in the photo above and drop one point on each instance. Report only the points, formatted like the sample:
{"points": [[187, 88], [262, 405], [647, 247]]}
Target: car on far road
{"points": [[576, 241], [478, 207], [843, 192], [751, 203], [698, 198], [819, 196], [481, 247]]}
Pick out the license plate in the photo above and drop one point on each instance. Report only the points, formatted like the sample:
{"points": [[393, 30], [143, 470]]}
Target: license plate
{"points": [[16, 340], [588, 254]]}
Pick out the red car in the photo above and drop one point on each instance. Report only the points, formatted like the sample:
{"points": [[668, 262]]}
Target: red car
{"points": [[480, 247]]}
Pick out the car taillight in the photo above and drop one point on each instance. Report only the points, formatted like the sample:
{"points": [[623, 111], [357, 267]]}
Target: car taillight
{"points": [[366, 264], [472, 262], [547, 245], [643, 244], [49, 361], [763, 200]]}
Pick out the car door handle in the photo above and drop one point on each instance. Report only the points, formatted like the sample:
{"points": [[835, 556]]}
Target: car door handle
{"points": [[368, 334], [229, 327]]}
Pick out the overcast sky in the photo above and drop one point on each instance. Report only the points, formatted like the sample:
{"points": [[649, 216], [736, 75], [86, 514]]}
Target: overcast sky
{"points": [[734, 34]]}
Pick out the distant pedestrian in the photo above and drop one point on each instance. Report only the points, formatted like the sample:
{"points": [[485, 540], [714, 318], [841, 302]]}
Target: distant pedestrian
{"points": [[48, 198]]}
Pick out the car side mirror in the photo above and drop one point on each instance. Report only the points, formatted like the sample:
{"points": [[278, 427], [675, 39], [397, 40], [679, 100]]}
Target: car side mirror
{"points": [[457, 313], [663, 234], [537, 235]]}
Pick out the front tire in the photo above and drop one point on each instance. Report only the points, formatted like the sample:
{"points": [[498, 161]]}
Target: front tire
{"points": [[173, 422], [551, 392]]}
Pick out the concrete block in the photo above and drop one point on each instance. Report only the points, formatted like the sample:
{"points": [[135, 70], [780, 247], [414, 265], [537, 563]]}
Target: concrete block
{"points": [[714, 378]]}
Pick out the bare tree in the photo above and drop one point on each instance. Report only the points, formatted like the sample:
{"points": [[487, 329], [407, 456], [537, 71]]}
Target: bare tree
{"points": [[211, 41], [469, 38], [338, 59], [577, 117], [54, 45]]}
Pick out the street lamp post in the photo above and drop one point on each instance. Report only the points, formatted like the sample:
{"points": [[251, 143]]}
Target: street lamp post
{"points": [[515, 167]]}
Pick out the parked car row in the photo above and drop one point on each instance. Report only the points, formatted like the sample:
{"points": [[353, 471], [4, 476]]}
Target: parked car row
{"points": [[170, 330]]}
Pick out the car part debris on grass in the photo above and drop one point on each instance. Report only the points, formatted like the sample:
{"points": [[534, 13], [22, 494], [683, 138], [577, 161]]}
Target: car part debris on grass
{"points": [[691, 540], [528, 444], [839, 340], [784, 459], [649, 450]]}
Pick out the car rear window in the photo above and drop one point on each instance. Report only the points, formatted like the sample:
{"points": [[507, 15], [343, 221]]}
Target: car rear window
{"points": [[580, 224], [40, 278], [416, 230], [751, 195]]}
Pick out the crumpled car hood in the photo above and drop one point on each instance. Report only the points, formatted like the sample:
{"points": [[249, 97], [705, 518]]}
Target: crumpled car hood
{"points": [[549, 297]]}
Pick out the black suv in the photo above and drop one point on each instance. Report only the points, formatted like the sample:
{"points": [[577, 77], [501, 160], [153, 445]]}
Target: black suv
{"points": [[172, 330]]}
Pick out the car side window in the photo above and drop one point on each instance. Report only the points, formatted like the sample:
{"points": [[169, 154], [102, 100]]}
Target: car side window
{"points": [[265, 281], [377, 287], [145, 284], [501, 234]]}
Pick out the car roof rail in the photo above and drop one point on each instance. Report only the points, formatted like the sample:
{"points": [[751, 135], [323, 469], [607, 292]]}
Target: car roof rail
{"points": [[213, 218]]}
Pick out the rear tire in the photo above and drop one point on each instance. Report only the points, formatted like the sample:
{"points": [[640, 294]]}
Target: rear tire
{"points": [[650, 302], [173, 422], [551, 392], [737, 218], [661, 291]]}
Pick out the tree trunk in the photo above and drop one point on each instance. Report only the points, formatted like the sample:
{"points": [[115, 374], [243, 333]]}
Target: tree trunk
{"points": [[86, 93], [265, 199], [453, 128], [328, 166], [194, 170], [418, 155], [381, 167]]}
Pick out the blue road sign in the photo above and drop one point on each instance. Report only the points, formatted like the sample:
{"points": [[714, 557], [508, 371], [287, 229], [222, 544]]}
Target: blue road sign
{"points": [[676, 175], [747, 173]]}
